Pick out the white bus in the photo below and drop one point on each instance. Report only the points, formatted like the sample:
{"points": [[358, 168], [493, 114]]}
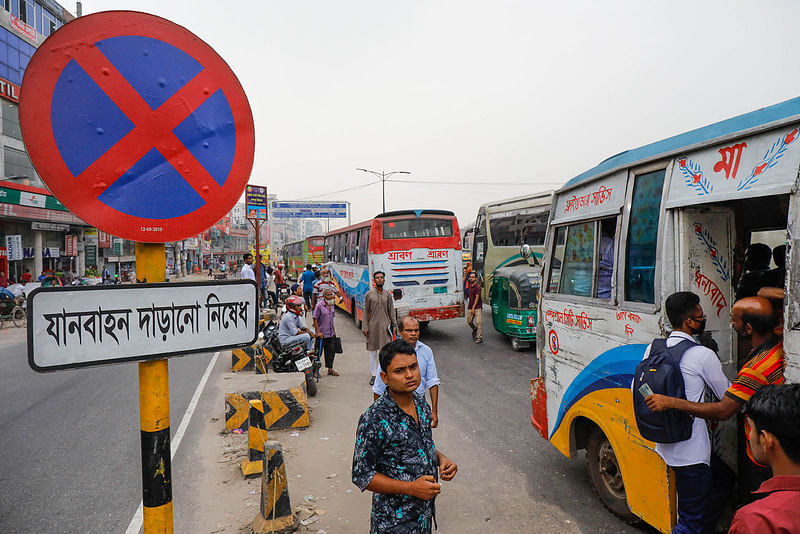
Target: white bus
{"points": [[501, 227], [674, 215], [418, 250]]}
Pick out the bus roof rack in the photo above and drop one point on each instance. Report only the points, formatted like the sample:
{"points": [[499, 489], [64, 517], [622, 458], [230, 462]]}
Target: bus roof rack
{"points": [[415, 212], [758, 120]]}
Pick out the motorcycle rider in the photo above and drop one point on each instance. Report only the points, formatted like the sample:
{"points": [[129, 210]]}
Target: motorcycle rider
{"points": [[292, 328]]}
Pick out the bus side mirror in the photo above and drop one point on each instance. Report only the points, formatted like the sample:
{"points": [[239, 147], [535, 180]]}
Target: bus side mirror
{"points": [[525, 251]]}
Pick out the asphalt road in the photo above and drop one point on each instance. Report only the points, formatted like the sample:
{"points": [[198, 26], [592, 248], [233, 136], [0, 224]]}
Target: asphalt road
{"points": [[515, 480], [70, 457]]}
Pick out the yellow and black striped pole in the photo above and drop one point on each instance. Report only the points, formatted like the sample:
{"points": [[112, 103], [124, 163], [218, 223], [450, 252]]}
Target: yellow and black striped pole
{"points": [[154, 413]]}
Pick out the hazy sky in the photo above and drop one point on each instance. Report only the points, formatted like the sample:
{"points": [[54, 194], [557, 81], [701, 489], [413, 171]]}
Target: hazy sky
{"points": [[480, 92]]}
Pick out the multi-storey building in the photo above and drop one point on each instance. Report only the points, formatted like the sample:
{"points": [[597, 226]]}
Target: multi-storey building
{"points": [[44, 235]]}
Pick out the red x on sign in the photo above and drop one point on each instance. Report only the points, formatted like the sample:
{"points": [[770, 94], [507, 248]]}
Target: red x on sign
{"points": [[137, 126]]}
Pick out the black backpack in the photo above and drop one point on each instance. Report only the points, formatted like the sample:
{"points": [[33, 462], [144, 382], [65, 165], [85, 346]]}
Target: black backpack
{"points": [[661, 373]]}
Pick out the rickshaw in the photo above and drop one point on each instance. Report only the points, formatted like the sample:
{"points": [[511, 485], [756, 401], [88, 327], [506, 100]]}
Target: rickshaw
{"points": [[514, 298], [11, 309]]}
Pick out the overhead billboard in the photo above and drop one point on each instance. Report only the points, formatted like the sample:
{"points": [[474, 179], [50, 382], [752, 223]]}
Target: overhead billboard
{"points": [[309, 210]]}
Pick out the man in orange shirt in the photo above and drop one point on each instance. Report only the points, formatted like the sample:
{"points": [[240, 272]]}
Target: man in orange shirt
{"points": [[751, 317]]}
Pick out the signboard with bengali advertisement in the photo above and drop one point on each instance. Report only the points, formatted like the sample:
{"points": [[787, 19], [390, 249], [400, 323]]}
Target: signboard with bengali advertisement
{"points": [[256, 202], [70, 245], [70, 327], [22, 28], [14, 247]]}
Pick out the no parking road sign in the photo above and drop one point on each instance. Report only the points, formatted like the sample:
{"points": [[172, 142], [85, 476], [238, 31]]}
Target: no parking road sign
{"points": [[137, 126]]}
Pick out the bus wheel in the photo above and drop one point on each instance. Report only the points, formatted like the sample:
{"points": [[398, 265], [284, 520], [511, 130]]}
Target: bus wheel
{"points": [[355, 315], [606, 477], [515, 344]]}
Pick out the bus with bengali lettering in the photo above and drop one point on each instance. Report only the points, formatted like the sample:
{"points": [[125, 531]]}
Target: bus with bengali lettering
{"points": [[674, 215], [301, 253], [418, 250], [501, 227]]}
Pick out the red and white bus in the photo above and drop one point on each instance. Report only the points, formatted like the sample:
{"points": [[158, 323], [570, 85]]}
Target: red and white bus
{"points": [[418, 250]]}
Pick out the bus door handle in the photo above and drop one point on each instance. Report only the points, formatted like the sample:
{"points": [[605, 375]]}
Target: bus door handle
{"points": [[549, 324]]}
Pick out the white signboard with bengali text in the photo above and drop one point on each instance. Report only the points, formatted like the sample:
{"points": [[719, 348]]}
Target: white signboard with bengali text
{"points": [[14, 247], [97, 325], [597, 198]]}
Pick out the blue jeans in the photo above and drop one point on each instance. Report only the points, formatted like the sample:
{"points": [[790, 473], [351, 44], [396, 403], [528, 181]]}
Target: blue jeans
{"points": [[703, 491], [305, 338]]}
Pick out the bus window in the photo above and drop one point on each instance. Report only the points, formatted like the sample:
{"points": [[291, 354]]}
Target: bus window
{"points": [[558, 259], [328, 243], [415, 228], [640, 252], [504, 231], [605, 258], [578, 261], [533, 228], [352, 246], [363, 246]]}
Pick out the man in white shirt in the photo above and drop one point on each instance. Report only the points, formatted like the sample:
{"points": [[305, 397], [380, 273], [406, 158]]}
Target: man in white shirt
{"points": [[247, 268], [409, 330], [702, 481]]}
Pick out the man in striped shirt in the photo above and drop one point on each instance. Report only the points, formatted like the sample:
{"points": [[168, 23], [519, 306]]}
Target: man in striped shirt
{"points": [[753, 318]]}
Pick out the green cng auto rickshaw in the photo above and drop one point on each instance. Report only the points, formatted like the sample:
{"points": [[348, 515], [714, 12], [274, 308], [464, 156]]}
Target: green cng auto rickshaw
{"points": [[514, 297]]}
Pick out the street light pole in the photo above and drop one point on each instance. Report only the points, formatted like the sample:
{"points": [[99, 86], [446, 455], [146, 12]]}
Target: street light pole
{"points": [[383, 176]]}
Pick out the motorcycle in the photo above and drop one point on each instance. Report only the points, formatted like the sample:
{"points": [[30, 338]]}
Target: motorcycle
{"points": [[291, 358]]}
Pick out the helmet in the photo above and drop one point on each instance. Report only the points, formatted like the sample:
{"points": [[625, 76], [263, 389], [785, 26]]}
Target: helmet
{"points": [[295, 300]]}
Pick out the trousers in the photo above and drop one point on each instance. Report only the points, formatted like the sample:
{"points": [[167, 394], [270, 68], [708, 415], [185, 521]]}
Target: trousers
{"points": [[702, 493]]}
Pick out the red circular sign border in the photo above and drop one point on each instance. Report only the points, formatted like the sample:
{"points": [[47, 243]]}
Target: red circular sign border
{"points": [[552, 334], [39, 83]]}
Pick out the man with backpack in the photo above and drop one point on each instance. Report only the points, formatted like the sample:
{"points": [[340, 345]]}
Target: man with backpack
{"points": [[753, 318], [701, 479]]}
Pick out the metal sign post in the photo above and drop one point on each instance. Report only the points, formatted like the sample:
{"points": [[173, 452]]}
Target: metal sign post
{"points": [[256, 210], [140, 129], [151, 259]]}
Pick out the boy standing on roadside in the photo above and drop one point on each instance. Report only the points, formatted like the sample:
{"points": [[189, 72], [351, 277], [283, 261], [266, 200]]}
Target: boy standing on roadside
{"points": [[394, 455]]}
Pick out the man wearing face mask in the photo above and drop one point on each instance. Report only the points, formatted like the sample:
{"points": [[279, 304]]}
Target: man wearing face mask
{"points": [[701, 479], [324, 328], [752, 318], [324, 282]]}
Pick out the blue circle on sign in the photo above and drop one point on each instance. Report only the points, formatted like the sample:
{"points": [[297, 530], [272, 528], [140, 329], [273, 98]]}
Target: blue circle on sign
{"points": [[87, 123]]}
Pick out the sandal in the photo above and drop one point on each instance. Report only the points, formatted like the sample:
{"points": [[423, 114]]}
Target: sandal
{"points": [[332, 372], [479, 340]]}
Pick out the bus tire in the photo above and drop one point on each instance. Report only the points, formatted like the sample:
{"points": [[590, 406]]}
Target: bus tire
{"points": [[356, 320], [606, 476]]}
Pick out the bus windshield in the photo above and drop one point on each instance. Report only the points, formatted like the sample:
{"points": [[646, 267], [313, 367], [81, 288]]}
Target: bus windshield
{"points": [[416, 228]]}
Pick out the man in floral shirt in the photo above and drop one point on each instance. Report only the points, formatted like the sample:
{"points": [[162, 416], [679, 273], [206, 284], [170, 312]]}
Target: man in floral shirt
{"points": [[394, 456]]}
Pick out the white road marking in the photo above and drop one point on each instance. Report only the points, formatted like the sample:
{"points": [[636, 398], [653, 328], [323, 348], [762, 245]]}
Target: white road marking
{"points": [[136, 523]]}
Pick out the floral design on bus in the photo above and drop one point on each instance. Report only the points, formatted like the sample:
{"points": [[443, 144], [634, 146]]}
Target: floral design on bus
{"points": [[719, 262], [774, 153], [694, 177]]}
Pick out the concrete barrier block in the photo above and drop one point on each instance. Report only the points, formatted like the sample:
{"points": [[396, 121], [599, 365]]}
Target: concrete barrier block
{"points": [[283, 396], [276, 510], [256, 438]]}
